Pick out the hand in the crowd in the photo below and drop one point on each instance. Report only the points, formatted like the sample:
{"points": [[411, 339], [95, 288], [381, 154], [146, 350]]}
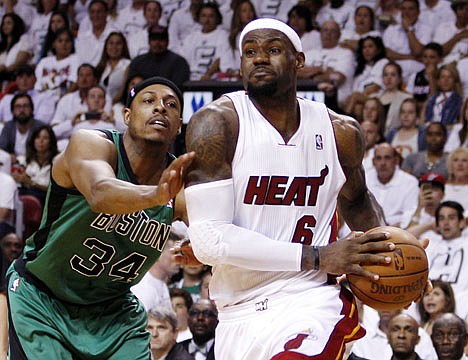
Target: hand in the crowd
{"points": [[172, 178], [183, 253], [347, 255]]}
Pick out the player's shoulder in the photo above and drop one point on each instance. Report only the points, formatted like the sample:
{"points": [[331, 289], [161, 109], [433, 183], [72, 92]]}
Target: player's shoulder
{"points": [[349, 139]]}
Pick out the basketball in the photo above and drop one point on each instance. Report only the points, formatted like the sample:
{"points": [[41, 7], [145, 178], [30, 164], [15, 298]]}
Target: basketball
{"points": [[401, 281]]}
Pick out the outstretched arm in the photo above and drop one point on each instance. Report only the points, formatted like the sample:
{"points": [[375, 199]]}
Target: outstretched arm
{"points": [[88, 165]]}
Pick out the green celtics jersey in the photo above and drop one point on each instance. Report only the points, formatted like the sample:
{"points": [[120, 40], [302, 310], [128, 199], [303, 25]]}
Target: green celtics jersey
{"points": [[85, 257]]}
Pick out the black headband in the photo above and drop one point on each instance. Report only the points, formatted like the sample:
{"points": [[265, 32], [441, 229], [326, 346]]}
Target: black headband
{"points": [[152, 81]]}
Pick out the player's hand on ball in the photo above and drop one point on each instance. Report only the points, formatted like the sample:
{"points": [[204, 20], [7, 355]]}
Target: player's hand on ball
{"points": [[347, 255], [183, 253]]}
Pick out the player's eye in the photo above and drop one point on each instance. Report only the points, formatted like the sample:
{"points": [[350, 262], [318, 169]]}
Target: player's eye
{"points": [[249, 52], [275, 50], [148, 100]]}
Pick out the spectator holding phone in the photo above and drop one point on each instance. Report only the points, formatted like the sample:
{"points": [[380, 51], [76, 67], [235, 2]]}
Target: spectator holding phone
{"points": [[95, 117]]}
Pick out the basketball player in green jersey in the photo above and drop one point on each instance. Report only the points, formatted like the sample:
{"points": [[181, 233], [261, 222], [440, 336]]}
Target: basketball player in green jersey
{"points": [[107, 217]]}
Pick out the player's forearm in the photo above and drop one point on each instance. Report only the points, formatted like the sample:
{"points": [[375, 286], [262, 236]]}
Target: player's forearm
{"points": [[363, 213], [114, 196]]}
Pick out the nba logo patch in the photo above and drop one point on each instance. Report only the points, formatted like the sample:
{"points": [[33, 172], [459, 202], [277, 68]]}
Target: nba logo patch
{"points": [[169, 204], [15, 285], [318, 142]]}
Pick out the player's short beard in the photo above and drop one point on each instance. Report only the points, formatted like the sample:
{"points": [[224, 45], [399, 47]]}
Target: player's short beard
{"points": [[264, 90]]}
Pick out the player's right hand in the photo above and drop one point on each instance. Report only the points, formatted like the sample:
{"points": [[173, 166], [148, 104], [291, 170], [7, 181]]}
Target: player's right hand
{"points": [[182, 253], [346, 255]]}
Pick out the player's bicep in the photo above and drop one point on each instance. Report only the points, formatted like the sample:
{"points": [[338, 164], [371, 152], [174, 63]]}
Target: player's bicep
{"points": [[210, 135], [86, 162]]}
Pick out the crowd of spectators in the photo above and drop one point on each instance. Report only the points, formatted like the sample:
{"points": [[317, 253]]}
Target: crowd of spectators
{"points": [[399, 67]]}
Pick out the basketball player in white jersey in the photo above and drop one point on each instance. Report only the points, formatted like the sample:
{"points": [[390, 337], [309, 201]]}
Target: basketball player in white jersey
{"points": [[262, 194]]}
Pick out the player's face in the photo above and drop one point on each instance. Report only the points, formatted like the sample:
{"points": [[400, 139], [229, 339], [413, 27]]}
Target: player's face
{"points": [[449, 225], [403, 334], [163, 337], [435, 302], [154, 115], [269, 62], [408, 115]]}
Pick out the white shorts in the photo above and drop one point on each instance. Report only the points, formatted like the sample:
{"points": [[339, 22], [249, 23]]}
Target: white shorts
{"points": [[314, 324]]}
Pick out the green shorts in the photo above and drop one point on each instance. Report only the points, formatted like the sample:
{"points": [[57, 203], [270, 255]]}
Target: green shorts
{"points": [[43, 327]]}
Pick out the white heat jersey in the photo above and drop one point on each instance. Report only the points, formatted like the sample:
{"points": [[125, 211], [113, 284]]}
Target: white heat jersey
{"points": [[287, 192]]}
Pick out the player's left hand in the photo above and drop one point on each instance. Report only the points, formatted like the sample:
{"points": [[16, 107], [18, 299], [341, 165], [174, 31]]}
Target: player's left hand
{"points": [[183, 253], [172, 179]]}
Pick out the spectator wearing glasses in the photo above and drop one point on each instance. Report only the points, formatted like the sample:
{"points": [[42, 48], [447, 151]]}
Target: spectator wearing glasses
{"points": [[449, 337], [203, 319]]}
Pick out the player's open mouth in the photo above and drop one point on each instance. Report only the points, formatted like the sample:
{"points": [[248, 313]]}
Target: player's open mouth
{"points": [[158, 122]]}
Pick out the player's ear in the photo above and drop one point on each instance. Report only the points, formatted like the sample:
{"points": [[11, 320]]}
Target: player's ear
{"points": [[126, 114], [300, 60]]}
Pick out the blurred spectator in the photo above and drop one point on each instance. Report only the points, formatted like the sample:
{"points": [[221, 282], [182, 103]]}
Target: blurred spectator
{"points": [[183, 23], [372, 136], [203, 319], [456, 188], [453, 35], [90, 43], [431, 193], [40, 24], [449, 337], [56, 74], [160, 61], [162, 325], [392, 95], [445, 104], [409, 137], [244, 12], [207, 50], [331, 64], [119, 106], [405, 41], [394, 189], [337, 10], [11, 245], [436, 12], [34, 176], [367, 80], [5, 161], [181, 303], [191, 278], [130, 19], [138, 42], [152, 290], [459, 131], [446, 255], [375, 345], [205, 284], [362, 26], [387, 13], [15, 49], [7, 197], [433, 159], [72, 103], [300, 19], [17, 131], [423, 83], [274, 9], [96, 116], [373, 111], [112, 66], [78, 11], [25, 79], [436, 303], [403, 337], [58, 20], [25, 10]]}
